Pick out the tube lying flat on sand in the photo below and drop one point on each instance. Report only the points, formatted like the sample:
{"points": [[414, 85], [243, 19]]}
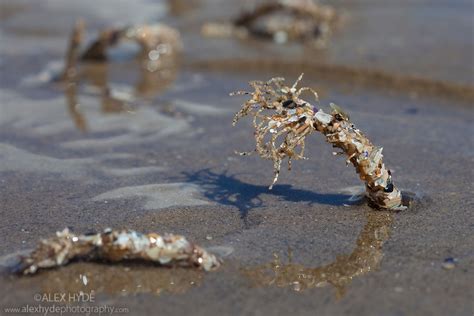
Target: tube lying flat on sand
{"points": [[117, 245]]}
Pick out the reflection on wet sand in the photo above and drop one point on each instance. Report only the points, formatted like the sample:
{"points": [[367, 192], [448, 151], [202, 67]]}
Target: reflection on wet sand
{"points": [[366, 257], [148, 85], [73, 106], [160, 47], [119, 279]]}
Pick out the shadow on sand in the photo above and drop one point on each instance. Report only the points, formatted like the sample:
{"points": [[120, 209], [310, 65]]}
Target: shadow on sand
{"points": [[227, 190]]}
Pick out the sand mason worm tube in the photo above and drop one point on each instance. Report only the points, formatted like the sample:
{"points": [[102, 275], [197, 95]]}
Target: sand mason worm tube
{"points": [[282, 120], [281, 21], [116, 245], [160, 44]]}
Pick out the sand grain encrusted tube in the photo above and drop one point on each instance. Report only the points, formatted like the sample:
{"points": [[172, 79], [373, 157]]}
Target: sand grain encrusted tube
{"points": [[366, 158], [280, 113], [117, 245], [297, 20]]}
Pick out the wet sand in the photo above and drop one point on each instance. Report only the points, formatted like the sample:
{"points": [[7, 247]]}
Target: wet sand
{"points": [[165, 162]]}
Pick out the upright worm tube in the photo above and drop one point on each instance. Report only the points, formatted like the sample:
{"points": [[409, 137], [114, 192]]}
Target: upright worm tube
{"points": [[280, 113]]}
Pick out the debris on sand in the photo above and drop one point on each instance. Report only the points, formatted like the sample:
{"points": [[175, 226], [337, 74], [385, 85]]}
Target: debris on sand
{"points": [[449, 263], [117, 245], [279, 112], [281, 21]]}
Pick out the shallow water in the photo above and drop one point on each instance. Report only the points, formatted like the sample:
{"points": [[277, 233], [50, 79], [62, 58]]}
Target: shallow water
{"points": [[164, 161]]}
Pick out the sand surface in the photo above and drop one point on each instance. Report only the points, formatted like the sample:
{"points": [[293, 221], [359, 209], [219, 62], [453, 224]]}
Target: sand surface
{"points": [[166, 163]]}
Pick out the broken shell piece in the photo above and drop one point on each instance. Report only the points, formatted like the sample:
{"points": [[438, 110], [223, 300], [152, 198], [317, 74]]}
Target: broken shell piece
{"points": [[269, 104], [116, 245], [322, 117], [338, 110], [449, 263]]}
